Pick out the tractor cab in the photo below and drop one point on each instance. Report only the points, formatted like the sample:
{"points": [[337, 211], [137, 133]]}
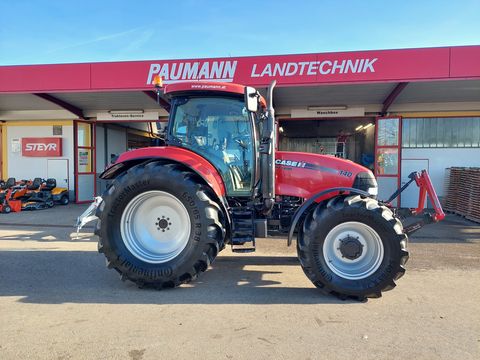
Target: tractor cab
{"points": [[218, 126], [232, 127]]}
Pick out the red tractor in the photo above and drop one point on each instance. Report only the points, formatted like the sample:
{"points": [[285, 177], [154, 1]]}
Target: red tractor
{"points": [[220, 180]]}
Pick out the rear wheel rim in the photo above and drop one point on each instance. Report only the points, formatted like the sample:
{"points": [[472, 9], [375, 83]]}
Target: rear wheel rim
{"points": [[155, 227], [366, 264]]}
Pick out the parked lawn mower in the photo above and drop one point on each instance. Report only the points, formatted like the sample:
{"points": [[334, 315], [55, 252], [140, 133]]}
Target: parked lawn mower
{"points": [[38, 201], [4, 205], [39, 195], [7, 204], [59, 194]]}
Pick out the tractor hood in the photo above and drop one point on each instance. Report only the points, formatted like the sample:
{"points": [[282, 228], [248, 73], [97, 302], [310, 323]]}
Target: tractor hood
{"points": [[305, 174]]}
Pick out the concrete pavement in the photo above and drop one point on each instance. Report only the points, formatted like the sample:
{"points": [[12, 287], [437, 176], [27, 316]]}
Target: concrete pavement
{"points": [[58, 301]]}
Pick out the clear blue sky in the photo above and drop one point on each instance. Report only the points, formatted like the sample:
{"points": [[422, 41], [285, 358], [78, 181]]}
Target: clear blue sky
{"points": [[63, 31]]}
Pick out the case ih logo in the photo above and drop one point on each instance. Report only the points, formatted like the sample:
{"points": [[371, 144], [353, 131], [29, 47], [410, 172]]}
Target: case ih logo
{"points": [[42, 147], [193, 70]]}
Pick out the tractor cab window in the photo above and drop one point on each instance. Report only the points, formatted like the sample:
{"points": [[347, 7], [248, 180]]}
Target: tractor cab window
{"points": [[220, 130]]}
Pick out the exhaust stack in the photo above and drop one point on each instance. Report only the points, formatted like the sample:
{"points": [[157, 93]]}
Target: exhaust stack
{"points": [[267, 154]]}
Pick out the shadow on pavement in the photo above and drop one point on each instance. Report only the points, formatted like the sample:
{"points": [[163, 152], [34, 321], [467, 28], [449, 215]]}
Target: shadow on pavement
{"points": [[54, 277], [453, 229], [47, 234]]}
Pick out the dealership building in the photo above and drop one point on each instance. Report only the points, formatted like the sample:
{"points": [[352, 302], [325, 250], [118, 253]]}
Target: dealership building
{"points": [[394, 111]]}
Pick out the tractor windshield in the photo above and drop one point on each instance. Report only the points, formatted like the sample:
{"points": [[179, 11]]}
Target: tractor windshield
{"points": [[219, 129]]}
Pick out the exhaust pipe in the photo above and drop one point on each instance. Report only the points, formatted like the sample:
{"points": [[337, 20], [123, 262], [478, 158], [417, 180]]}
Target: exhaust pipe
{"points": [[267, 154]]}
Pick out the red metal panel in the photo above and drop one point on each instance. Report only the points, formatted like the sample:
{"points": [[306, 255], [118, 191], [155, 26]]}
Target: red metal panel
{"points": [[343, 67], [465, 61], [323, 68], [42, 147], [304, 174], [212, 86], [44, 78], [120, 75]]}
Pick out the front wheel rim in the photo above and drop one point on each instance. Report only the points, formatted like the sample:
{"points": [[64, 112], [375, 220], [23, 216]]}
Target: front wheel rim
{"points": [[366, 264], [155, 226]]}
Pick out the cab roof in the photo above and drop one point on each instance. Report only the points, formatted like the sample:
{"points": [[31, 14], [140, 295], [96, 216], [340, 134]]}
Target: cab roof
{"points": [[208, 86]]}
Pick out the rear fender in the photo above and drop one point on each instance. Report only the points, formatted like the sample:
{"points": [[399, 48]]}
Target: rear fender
{"points": [[184, 157], [320, 196], [181, 156]]}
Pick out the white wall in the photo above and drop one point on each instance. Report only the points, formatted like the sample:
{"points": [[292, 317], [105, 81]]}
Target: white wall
{"points": [[440, 159], [21, 167]]}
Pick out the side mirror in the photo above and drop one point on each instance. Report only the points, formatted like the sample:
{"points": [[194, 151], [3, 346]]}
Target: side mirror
{"points": [[251, 98]]}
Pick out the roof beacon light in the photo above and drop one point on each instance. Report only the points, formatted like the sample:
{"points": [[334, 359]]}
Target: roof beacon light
{"points": [[157, 81]]}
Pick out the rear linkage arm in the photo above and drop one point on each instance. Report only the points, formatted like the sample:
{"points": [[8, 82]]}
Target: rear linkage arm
{"points": [[422, 179]]}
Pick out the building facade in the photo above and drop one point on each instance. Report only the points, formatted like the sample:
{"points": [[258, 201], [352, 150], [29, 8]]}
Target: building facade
{"points": [[394, 111]]}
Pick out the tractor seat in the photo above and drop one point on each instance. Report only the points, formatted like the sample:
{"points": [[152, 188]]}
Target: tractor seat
{"points": [[50, 184], [35, 185], [10, 183]]}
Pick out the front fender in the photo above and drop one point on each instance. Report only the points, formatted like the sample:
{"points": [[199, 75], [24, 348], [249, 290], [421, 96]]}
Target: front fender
{"points": [[306, 205], [182, 156]]}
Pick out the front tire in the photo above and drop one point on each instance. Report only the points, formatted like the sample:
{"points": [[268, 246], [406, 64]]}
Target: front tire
{"points": [[159, 225], [352, 247]]}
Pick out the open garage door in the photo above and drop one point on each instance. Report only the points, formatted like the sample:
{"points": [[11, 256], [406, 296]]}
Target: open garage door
{"points": [[351, 139]]}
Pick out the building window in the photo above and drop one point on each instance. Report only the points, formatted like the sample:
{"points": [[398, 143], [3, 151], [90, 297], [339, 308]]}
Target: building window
{"points": [[452, 132]]}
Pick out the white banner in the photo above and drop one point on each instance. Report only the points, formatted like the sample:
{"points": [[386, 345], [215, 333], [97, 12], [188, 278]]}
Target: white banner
{"points": [[126, 116], [328, 113]]}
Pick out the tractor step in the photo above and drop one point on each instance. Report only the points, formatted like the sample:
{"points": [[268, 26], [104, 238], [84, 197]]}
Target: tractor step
{"points": [[243, 229], [243, 250]]}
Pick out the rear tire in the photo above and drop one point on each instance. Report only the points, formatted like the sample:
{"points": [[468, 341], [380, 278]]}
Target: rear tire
{"points": [[7, 209], [152, 251], [352, 247]]}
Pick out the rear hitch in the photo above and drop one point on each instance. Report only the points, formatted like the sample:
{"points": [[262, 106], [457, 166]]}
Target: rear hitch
{"points": [[422, 179]]}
